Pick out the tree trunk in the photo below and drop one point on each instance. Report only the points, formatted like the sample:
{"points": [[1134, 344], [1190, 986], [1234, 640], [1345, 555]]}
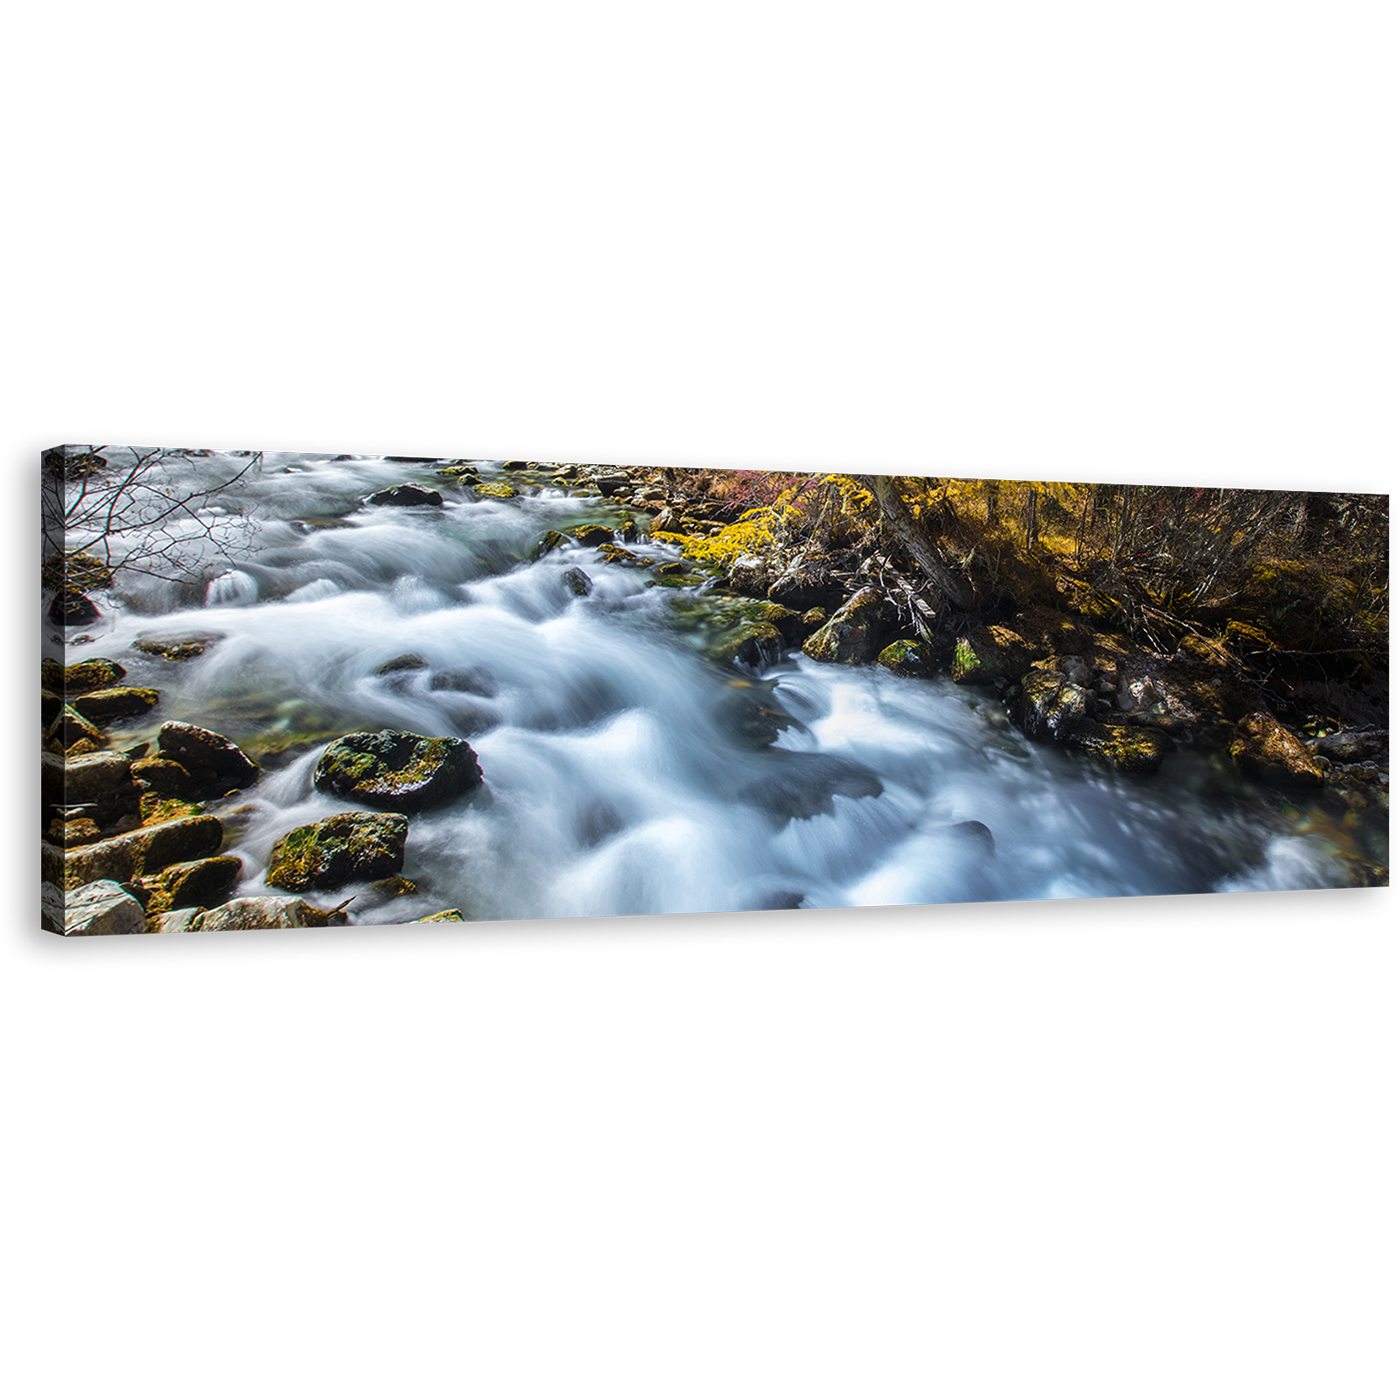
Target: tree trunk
{"points": [[924, 554]]}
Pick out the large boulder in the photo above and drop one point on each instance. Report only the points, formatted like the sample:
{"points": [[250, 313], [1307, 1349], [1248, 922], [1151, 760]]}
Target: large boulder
{"points": [[852, 636], [143, 852], [264, 911], [214, 763], [397, 771], [406, 494], [1265, 750], [985, 655], [101, 908], [348, 846]]}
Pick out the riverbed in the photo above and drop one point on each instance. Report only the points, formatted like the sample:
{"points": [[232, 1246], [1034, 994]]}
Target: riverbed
{"points": [[627, 770]]}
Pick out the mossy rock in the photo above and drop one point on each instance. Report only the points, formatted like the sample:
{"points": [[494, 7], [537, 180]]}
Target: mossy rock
{"points": [[177, 648], [550, 541], [624, 558], [907, 658], [348, 846], [76, 572], [986, 655], [115, 702], [192, 884], [497, 490], [578, 582], [143, 852], [1128, 748], [443, 916], [852, 635], [1265, 750], [397, 771], [590, 535], [69, 728], [409, 661], [1247, 641], [96, 673], [1047, 705]]}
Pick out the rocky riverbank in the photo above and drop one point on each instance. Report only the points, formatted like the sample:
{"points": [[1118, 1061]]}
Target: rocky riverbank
{"points": [[136, 833]]}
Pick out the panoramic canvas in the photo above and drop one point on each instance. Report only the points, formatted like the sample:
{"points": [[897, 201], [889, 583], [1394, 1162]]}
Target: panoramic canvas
{"points": [[287, 690]]}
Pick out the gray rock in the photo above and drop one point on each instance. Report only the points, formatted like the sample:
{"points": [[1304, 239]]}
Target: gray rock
{"points": [[101, 908], [1351, 745], [264, 911]]}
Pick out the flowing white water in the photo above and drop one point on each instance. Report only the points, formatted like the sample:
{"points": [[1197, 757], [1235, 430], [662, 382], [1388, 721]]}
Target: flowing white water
{"points": [[618, 775]]}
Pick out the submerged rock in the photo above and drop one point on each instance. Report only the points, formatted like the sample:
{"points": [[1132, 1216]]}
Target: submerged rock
{"points": [[578, 582], [348, 846], [409, 661], [803, 785], [72, 608], [749, 712], [397, 771], [183, 648]]}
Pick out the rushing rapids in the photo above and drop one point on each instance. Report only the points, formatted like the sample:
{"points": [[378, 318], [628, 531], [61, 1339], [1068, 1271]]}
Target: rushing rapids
{"points": [[627, 770]]}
